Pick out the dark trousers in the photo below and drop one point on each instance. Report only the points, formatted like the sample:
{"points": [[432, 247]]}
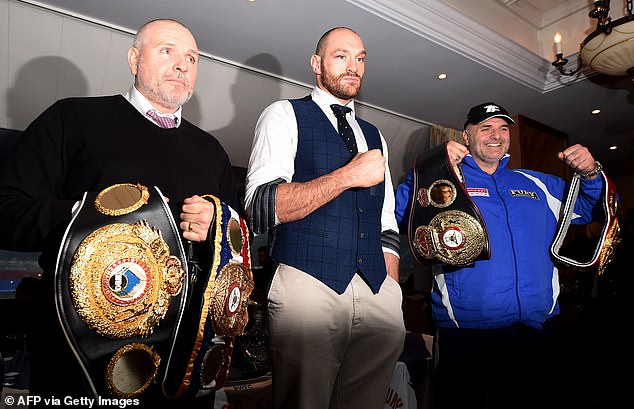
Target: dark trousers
{"points": [[493, 368]]}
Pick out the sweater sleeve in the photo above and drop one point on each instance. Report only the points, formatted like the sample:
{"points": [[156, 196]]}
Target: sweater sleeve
{"points": [[31, 174]]}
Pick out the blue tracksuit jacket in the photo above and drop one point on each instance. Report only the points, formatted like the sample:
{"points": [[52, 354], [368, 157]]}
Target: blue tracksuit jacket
{"points": [[520, 283]]}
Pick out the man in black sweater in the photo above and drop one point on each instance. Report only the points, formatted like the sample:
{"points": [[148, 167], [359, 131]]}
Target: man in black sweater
{"points": [[88, 144]]}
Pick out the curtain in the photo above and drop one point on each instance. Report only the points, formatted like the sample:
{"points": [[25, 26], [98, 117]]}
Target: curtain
{"points": [[440, 134]]}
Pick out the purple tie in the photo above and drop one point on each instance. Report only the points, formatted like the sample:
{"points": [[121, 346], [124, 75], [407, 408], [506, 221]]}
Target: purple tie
{"points": [[162, 121]]}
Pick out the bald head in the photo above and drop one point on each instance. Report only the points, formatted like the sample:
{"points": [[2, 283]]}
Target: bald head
{"points": [[323, 41], [141, 33]]}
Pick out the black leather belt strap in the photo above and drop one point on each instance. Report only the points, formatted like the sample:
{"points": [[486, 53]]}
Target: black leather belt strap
{"points": [[445, 226]]}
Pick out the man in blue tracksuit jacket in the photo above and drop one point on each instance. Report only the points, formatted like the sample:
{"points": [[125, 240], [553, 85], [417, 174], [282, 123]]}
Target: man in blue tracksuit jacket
{"points": [[492, 317]]}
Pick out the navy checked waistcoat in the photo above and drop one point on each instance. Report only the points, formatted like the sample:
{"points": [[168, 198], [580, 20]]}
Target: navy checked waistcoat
{"points": [[343, 236]]}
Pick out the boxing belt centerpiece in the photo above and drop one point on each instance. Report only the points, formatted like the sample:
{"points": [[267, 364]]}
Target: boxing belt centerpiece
{"points": [[137, 318], [444, 226], [607, 240]]}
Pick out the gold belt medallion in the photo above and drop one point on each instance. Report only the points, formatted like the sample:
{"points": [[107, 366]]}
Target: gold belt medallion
{"points": [[122, 278], [131, 370], [453, 236], [230, 299]]}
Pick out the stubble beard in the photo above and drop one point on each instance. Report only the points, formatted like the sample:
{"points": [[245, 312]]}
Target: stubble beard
{"points": [[484, 156], [157, 90], [336, 87]]}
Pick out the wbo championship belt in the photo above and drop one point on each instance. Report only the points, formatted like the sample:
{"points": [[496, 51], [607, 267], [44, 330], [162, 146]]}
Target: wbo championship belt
{"points": [[124, 292], [444, 226], [606, 242], [217, 310]]}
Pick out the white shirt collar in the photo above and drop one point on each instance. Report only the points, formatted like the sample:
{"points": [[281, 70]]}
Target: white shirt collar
{"points": [[324, 100], [143, 105]]}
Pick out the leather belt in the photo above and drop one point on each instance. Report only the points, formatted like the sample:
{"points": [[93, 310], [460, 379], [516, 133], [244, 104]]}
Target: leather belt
{"points": [[445, 225], [607, 241], [120, 282]]}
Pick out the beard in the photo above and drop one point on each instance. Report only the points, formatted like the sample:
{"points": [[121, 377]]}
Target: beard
{"points": [[157, 89], [335, 85], [168, 98]]}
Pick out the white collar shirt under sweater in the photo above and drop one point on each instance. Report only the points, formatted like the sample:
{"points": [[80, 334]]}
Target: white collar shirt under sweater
{"points": [[143, 105]]}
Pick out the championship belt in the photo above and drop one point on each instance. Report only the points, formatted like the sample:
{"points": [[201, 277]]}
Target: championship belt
{"points": [[445, 226], [120, 282], [216, 311], [610, 235]]}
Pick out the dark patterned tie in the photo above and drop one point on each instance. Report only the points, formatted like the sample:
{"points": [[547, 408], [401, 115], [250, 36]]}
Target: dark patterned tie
{"points": [[162, 121], [343, 126]]}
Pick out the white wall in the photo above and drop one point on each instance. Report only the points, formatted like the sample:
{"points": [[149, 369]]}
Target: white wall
{"points": [[45, 56]]}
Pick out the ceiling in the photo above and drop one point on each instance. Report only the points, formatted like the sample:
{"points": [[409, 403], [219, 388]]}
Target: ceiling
{"points": [[490, 49]]}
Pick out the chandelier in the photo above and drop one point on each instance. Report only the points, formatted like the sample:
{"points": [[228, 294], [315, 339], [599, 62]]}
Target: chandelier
{"points": [[609, 49]]}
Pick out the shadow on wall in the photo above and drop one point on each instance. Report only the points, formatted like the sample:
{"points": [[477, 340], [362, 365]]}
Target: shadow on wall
{"points": [[251, 93], [614, 84], [38, 84], [191, 110], [417, 143]]}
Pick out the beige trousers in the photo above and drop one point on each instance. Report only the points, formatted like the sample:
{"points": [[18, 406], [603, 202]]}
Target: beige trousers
{"points": [[332, 351]]}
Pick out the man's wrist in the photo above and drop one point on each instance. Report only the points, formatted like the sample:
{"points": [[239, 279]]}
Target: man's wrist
{"points": [[590, 175]]}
